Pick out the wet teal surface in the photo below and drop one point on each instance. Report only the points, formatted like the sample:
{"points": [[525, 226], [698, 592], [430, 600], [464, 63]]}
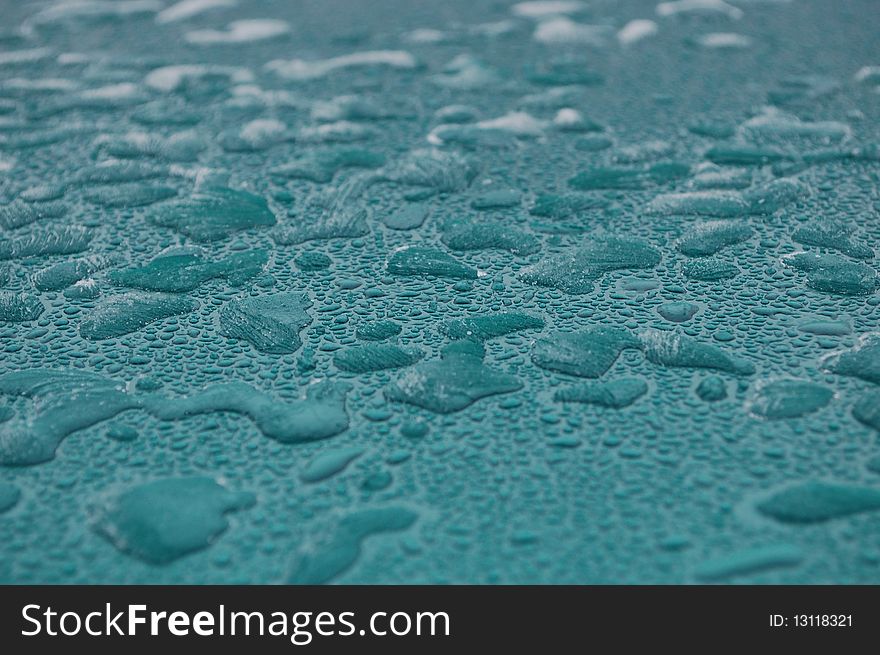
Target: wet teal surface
{"points": [[475, 292]]}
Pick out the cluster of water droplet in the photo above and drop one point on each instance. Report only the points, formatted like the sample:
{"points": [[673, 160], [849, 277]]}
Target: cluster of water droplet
{"points": [[557, 292]]}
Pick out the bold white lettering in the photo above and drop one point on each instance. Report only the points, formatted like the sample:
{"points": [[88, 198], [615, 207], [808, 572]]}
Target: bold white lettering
{"points": [[178, 624], [203, 624], [134, 619]]}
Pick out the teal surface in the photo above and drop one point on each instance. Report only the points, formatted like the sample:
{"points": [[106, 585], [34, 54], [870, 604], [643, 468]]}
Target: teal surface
{"points": [[322, 291]]}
